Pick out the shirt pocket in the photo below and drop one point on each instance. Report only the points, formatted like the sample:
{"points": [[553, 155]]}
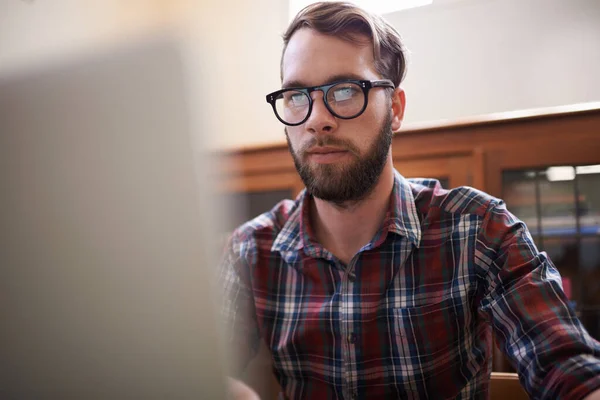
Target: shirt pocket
{"points": [[433, 333], [433, 347]]}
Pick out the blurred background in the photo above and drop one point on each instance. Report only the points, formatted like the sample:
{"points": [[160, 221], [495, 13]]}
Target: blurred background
{"points": [[502, 95], [468, 57]]}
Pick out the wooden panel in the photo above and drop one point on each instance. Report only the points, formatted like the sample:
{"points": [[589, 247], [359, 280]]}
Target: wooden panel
{"points": [[458, 170], [500, 134], [494, 144], [506, 386], [259, 161], [255, 183], [478, 169]]}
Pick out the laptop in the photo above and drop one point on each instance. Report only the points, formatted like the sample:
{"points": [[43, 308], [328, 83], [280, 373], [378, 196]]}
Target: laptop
{"points": [[106, 248]]}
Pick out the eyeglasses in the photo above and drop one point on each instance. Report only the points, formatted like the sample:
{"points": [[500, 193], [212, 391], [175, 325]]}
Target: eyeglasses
{"points": [[345, 99]]}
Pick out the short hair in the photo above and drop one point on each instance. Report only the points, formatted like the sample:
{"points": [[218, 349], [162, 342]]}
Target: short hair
{"points": [[351, 23]]}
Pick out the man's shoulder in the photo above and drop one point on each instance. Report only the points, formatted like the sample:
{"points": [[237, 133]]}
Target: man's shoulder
{"points": [[263, 229], [429, 195]]}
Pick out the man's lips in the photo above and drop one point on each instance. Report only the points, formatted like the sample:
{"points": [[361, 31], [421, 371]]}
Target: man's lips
{"points": [[326, 155], [326, 150]]}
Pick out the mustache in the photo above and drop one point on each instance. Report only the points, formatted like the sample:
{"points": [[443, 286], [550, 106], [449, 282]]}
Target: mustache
{"points": [[329, 141]]}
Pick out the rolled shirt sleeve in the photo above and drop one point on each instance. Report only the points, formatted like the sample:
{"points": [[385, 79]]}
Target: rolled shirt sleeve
{"points": [[554, 355]]}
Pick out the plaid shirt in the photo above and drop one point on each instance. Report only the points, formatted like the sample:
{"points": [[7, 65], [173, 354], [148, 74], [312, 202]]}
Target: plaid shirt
{"points": [[412, 315]]}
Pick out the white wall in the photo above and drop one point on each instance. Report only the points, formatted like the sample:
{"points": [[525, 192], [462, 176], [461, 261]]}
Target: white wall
{"points": [[481, 56], [468, 57], [236, 47]]}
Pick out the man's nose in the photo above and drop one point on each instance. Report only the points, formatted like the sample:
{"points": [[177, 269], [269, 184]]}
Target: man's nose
{"points": [[320, 120]]}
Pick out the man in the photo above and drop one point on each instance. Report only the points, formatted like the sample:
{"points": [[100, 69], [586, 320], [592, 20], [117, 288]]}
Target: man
{"points": [[369, 285]]}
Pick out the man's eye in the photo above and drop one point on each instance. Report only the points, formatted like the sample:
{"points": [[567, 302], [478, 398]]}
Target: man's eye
{"points": [[296, 99], [344, 93]]}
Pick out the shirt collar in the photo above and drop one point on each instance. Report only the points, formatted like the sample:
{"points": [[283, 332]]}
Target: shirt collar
{"points": [[401, 218], [290, 237]]}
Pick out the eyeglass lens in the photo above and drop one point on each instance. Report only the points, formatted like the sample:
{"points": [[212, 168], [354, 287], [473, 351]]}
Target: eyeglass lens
{"points": [[345, 100]]}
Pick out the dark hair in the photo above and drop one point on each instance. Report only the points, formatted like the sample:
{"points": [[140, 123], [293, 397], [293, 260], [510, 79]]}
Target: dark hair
{"points": [[352, 23]]}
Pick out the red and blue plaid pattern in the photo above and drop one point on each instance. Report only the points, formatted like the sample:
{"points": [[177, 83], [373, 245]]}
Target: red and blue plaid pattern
{"points": [[412, 315]]}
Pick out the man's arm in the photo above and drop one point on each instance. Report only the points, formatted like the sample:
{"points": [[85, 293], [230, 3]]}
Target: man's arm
{"points": [[237, 312], [541, 335], [238, 390], [593, 396]]}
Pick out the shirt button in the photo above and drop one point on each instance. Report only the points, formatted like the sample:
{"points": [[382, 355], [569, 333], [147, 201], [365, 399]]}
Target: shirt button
{"points": [[354, 395], [352, 338], [351, 277]]}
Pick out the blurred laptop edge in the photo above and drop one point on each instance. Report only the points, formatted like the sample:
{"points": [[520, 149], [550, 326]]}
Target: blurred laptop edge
{"points": [[106, 252]]}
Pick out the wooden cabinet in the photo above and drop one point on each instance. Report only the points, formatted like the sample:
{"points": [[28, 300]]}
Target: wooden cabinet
{"points": [[488, 153], [451, 170]]}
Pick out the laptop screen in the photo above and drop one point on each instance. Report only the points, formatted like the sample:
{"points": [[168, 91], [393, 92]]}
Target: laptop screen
{"points": [[105, 222]]}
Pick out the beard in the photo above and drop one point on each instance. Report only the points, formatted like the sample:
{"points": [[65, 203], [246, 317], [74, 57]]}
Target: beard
{"points": [[342, 183]]}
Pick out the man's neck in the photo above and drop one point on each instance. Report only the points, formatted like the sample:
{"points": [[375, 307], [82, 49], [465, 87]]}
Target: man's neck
{"points": [[345, 229]]}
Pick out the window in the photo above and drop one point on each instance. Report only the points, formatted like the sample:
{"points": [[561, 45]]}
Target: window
{"points": [[561, 207]]}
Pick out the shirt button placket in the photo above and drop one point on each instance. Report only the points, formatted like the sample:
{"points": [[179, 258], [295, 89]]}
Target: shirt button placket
{"points": [[346, 326], [352, 338], [351, 276]]}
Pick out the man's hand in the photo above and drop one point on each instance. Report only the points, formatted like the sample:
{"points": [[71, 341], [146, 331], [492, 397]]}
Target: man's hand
{"points": [[238, 390]]}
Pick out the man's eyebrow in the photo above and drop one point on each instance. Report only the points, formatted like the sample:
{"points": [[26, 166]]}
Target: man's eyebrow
{"points": [[293, 84], [331, 79]]}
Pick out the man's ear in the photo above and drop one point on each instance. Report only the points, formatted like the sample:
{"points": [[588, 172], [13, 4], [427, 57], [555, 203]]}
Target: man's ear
{"points": [[398, 105]]}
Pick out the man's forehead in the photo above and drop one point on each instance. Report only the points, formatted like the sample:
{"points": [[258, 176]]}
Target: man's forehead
{"points": [[312, 58]]}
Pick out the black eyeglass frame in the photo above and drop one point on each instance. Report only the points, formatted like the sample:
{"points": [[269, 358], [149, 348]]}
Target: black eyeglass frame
{"points": [[365, 85]]}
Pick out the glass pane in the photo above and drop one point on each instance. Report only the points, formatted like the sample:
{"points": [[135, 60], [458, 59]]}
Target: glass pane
{"points": [[558, 195], [557, 204], [588, 184], [590, 274], [520, 196]]}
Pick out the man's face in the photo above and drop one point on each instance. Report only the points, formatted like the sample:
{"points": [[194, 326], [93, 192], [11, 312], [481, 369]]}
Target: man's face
{"points": [[338, 160]]}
